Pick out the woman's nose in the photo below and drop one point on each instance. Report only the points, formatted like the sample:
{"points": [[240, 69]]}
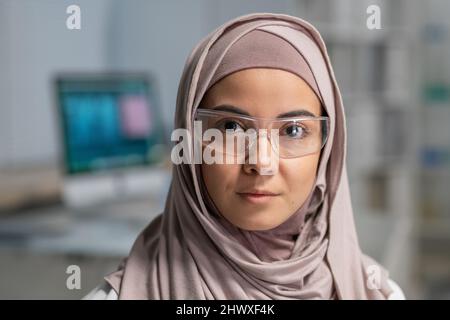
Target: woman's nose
{"points": [[261, 158]]}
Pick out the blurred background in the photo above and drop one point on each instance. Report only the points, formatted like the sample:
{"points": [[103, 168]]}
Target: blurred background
{"points": [[86, 116]]}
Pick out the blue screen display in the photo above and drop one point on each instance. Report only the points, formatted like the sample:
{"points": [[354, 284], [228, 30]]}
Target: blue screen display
{"points": [[108, 123]]}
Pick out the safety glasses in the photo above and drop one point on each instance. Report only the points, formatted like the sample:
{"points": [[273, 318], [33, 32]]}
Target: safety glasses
{"points": [[290, 137]]}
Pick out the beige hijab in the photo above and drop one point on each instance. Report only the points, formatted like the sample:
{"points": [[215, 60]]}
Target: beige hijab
{"points": [[191, 252]]}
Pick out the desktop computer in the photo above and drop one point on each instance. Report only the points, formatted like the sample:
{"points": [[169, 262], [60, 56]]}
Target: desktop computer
{"points": [[113, 141]]}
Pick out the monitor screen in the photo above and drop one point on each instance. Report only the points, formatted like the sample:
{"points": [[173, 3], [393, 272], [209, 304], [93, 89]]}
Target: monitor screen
{"points": [[108, 121]]}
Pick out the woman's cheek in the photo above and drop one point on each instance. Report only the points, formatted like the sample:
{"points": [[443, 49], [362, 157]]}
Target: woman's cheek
{"points": [[220, 177], [300, 174]]}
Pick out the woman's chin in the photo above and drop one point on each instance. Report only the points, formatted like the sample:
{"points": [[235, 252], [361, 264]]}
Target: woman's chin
{"points": [[259, 221]]}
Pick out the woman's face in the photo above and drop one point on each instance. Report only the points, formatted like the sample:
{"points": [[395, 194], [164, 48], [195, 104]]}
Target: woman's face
{"points": [[234, 188]]}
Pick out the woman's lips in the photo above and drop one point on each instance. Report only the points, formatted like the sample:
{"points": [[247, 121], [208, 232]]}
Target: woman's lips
{"points": [[257, 197]]}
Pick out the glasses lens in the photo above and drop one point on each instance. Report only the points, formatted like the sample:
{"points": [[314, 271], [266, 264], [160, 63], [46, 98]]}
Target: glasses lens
{"points": [[226, 134], [298, 138]]}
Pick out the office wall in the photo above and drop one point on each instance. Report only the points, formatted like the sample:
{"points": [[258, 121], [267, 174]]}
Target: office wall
{"points": [[36, 43], [5, 97]]}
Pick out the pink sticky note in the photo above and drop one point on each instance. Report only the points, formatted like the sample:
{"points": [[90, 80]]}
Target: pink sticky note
{"points": [[135, 116]]}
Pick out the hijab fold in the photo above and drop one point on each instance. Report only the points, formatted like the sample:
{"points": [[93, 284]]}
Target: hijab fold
{"points": [[191, 251]]}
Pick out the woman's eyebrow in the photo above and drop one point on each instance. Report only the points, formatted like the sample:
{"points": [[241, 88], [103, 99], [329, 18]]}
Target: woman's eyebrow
{"points": [[294, 113], [297, 113], [230, 108]]}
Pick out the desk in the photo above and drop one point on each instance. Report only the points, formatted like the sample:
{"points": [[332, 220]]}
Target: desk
{"points": [[37, 246]]}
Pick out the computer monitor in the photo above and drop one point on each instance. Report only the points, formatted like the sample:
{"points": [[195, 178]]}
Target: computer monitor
{"points": [[111, 135]]}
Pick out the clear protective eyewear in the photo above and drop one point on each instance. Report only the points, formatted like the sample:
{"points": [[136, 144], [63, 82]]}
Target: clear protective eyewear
{"points": [[295, 136]]}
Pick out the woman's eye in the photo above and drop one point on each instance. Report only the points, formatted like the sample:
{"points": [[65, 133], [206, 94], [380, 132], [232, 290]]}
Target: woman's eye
{"points": [[231, 125], [294, 131]]}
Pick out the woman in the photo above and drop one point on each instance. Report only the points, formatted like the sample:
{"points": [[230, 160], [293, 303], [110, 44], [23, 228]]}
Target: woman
{"points": [[279, 227]]}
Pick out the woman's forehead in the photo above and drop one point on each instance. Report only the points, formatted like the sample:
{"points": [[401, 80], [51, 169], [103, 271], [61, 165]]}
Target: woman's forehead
{"points": [[263, 92]]}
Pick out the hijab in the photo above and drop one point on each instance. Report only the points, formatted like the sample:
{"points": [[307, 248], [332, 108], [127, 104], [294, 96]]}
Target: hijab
{"points": [[190, 251]]}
